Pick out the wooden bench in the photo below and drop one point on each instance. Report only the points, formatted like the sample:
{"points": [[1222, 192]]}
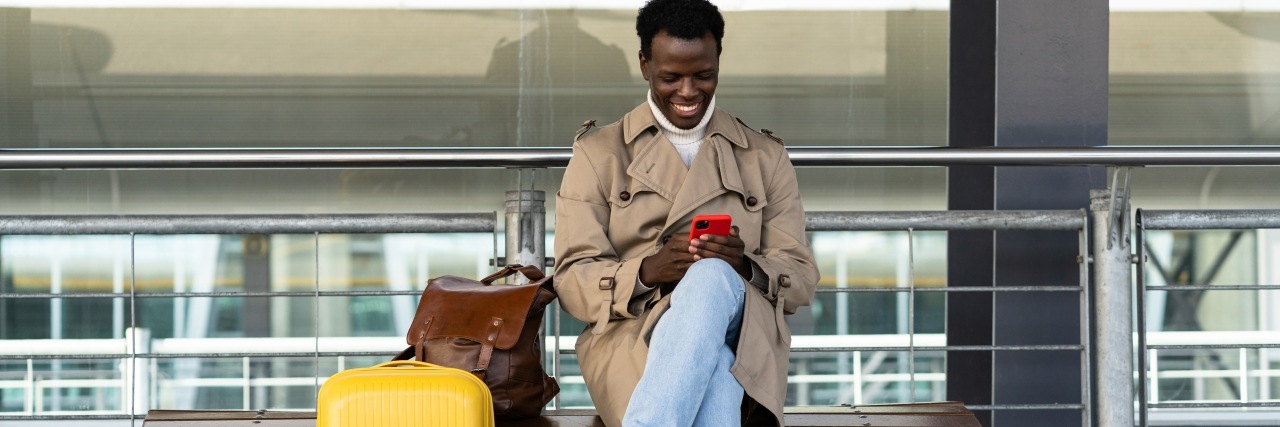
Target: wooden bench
{"points": [[935, 414]]}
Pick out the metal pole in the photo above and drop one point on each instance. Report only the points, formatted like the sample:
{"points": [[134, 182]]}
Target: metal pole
{"points": [[1112, 302], [529, 157], [1223, 219], [1141, 315], [1086, 330], [247, 224], [526, 244], [1065, 220], [526, 229]]}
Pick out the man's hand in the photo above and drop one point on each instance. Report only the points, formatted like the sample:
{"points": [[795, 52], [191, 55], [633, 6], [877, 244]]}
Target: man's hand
{"points": [[728, 248], [669, 264]]}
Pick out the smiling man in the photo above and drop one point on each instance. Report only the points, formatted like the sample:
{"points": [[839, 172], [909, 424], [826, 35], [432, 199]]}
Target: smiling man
{"points": [[682, 332]]}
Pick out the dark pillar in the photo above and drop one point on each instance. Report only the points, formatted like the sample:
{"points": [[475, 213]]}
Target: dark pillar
{"points": [[17, 111], [971, 123], [1031, 73]]}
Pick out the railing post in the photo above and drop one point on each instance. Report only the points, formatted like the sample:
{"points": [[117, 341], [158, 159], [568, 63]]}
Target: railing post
{"points": [[527, 245], [1113, 329], [526, 229]]}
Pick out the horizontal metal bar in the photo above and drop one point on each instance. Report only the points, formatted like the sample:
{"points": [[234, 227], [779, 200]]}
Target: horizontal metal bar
{"points": [[65, 356], [47, 295], [485, 222], [1068, 347], [945, 220], [1212, 287], [1227, 219], [1216, 405], [1012, 407], [296, 294], [284, 158], [1024, 407], [527, 157], [562, 351], [260, 355], [958, 289], [1210, 346], [69, 417], [249, 224], [1064, 156], [196, 355]]}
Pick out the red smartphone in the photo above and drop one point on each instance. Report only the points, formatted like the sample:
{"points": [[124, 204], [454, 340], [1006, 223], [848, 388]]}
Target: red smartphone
{"points": [[710, 224]]}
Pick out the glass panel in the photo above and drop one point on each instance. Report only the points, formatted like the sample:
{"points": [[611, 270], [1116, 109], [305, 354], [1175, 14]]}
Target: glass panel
{"points": [[124, 77], [1203, 75], [144, 78], [1194, 77]]}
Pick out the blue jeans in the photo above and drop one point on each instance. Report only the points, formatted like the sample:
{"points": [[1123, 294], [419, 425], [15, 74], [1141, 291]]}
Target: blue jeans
{"points": [[686, 380]]}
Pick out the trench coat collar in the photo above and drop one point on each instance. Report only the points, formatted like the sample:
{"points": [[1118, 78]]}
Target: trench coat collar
{"points": [[641, 119], [658, 165]]}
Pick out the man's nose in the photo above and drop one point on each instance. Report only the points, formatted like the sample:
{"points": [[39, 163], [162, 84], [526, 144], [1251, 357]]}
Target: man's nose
{"points": [[686, 89]]}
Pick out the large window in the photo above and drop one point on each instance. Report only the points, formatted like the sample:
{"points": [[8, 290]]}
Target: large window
{"points": [[1203, 75], [815, 73], [208, 78]]}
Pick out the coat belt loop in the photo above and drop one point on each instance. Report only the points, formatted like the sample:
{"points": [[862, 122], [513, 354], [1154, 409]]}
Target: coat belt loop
{"points": [[607, 284]]}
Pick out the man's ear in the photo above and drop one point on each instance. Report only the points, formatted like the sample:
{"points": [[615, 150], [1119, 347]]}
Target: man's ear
{"points": [[644, 65]]}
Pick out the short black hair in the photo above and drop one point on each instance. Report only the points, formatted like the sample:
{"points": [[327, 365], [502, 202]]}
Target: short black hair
{"points": [[683, 19]]}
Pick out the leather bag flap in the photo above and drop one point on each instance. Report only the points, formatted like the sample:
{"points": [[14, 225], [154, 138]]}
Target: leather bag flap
{"points": [[464, 308]]}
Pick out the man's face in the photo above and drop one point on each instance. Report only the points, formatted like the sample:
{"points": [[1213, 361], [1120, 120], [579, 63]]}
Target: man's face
{"points": [[682, 74]]}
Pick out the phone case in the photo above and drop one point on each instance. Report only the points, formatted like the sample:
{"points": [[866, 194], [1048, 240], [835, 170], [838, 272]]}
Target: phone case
{"points": [[710, 224]]}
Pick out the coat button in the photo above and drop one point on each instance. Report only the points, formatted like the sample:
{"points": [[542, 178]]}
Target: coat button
{"points": [[751, 201], [784, 281], [625, 196]]}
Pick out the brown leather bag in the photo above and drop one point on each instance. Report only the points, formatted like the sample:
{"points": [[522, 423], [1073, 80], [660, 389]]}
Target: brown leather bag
{"points": [[491, 331]]}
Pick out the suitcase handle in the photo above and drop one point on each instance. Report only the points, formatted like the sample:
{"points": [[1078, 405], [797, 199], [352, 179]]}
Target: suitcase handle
{"points": [[400, 363]]}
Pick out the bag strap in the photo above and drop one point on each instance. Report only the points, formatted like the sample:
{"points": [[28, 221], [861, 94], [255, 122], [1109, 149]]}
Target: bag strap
{"points": [[529, 271], [418, 351]]}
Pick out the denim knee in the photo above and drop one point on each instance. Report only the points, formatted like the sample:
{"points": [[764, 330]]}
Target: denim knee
{"points": [[711, 270], [712, 264]]}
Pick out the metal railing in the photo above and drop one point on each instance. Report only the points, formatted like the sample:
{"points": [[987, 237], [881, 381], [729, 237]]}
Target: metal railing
{"points": [[524, 157], [1148, 374], [909, 222], [136, 350], [1108, 224], [142, 357]]}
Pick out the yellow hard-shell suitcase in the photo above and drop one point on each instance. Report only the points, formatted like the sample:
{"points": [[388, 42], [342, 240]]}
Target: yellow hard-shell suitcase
{"points": [[404, 393]]}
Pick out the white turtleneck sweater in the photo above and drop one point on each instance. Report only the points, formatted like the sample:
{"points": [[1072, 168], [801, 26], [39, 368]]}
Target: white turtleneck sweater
{"points": [[686, 141]]}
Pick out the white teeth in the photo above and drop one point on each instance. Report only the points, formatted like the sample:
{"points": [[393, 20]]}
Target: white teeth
{"points": [[685, 108]]}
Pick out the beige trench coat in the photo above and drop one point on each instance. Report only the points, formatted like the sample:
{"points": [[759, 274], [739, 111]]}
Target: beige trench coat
{"points": [[624, 189]]}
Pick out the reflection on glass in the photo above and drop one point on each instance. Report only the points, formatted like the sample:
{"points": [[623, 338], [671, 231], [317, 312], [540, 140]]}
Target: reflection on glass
{"points": [[218, 78], [182, 78], [1194, 78], [1202, 78]]}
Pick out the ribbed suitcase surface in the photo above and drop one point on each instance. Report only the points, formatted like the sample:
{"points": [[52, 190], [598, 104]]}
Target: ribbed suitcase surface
{"points": [[404, 393]]}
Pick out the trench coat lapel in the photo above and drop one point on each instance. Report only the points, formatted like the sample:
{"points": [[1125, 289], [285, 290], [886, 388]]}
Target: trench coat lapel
{"points": [[713, 172], [656, 164]]}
